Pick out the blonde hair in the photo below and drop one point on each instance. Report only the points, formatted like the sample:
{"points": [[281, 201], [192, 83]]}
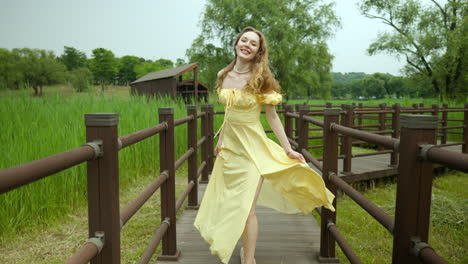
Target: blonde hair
{"points": [[262, 79]]}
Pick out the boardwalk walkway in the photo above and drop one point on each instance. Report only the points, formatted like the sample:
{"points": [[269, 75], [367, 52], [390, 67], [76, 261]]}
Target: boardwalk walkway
{"points": [[282, 238]]}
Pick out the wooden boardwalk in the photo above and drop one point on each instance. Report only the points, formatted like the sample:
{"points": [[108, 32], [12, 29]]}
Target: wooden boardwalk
{"points": [[282, 238]]}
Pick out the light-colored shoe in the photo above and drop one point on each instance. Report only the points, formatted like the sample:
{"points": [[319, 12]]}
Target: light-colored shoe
{"points": [[242, 255]]}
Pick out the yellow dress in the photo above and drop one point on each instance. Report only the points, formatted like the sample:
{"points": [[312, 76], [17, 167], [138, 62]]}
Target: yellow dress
{"points": [[289, 185]]}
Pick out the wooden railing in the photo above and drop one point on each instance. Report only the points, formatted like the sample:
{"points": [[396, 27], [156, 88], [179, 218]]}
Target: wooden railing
{"points": [[101, 153], [418, 151], [353, 117]]}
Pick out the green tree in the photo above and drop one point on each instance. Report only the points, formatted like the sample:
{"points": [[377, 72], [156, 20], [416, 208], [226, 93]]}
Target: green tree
{"points": [[80, 79], [127, 72], [433, 39], [11, 76], [103, 65], [147, 67], [396, 86], [73, 58], [296, 32], [210, 58], [344, 84], [373, 87], [39, 68]]}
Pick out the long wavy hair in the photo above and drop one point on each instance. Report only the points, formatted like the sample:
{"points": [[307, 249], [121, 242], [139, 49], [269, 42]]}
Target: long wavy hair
{"points": [[262, 79]]}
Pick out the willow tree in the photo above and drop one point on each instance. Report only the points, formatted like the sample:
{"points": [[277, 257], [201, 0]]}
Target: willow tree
{"points": [[433, 39], [296, 32]]}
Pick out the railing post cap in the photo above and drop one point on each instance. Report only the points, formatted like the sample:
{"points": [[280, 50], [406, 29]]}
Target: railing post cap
{"points": [[101, 119], [204, 107], [331, 111], [419, 121], [191, 107], [166, 110]]}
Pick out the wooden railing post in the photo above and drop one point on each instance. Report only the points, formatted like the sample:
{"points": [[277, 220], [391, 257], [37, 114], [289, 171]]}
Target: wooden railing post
{"points": [[211, 138], [168, 201], [297, 121], [342, 122], [360, 115], [347, 140], [395, 132], [443, 138], [192, 136], [330, 165], [414, 185], [435, 112], [288, 125], [465, 131], [103, 185], [205, 151], [382, 121], [304, 128]]}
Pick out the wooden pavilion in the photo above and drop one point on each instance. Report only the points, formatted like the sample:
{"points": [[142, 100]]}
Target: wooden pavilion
{"points": [[169, 82]]}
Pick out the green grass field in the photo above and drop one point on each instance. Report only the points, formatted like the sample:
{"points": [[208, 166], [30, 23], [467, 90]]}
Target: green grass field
{"points": [[36, 127]]}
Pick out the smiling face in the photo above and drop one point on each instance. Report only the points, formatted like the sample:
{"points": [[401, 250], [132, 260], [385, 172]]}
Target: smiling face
{"points": [[247, 46]]}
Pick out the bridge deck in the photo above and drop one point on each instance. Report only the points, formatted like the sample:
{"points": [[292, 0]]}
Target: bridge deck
{"points": [[282, 238]]}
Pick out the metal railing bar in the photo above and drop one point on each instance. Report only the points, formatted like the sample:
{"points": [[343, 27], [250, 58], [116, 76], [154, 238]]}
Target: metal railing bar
{"points": [[184, 157], [182, 120], [347, 249], [451, 159], [366, 204], [312, 159], [388, 142], [138, 136], [15, 177], [184, 195], [154, 243], [138, 202]]}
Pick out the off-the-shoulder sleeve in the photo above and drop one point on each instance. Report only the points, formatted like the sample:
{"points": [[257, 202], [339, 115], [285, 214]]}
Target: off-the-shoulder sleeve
{"points": [[270, 98]]}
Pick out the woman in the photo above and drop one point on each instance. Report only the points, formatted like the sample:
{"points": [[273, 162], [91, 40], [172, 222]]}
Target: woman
{"points": [[250, 168]]}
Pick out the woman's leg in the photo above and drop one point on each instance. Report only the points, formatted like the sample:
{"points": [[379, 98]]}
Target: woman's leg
{"points": [[249, 236]]}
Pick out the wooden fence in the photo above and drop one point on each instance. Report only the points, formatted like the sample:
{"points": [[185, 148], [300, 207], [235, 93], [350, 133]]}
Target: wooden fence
{"points": [[101, 153], [415, 145], [418, 150]]}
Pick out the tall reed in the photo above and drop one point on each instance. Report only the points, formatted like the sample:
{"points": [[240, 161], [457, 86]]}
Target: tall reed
{"points": [[33, 128]]}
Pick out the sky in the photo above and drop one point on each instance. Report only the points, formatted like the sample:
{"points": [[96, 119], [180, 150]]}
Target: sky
{"points": [[155, 29]]}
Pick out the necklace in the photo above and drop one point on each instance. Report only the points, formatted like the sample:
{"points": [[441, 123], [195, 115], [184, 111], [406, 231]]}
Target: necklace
{"points": [[240, 72]]}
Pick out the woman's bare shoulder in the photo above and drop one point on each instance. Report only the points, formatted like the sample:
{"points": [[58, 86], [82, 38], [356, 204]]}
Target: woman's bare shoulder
{"points": [[220, 72]]}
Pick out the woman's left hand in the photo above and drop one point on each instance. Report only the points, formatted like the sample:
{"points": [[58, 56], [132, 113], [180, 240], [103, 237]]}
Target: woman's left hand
{"points": [[296, 155]]}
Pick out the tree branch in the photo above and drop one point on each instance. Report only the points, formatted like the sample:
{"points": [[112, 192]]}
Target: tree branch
{"points": [[413, 64], [444, 13]]}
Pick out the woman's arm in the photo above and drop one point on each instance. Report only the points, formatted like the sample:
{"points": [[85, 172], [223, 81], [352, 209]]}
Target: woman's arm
{"points": [[277, 127]]}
